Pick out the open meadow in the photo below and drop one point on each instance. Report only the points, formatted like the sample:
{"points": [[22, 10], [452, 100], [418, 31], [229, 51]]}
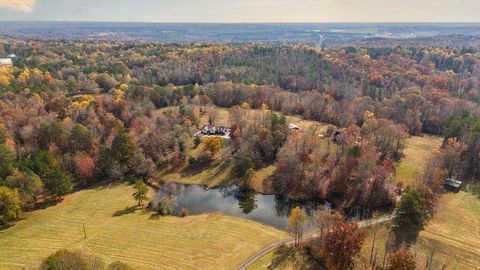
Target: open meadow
{"points": [[418, 150], [452, 236], [116, 231]]}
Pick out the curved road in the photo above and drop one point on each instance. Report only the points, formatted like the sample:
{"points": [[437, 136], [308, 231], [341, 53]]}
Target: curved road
{"points": [[265, 250]]}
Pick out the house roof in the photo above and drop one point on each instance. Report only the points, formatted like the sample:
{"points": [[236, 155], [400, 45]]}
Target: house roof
{"points": [[293, 126], [453, 183]]}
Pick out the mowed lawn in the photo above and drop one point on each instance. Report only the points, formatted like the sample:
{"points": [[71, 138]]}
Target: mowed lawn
{"points": [[418, 150], [454, 232], [209, 241]]}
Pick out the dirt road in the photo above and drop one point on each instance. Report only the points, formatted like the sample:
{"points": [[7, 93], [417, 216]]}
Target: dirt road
{"points": [[265, 250]]}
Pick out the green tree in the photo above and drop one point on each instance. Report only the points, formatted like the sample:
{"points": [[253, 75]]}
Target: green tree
{"points": [[53, 132], [106, 82], [10, 204], [28, 184], [140, 193], [56, 181], [412, 212], [123, 148], [197, 141], [81, 139], [3, 136], [244, 167], [6, 162]]}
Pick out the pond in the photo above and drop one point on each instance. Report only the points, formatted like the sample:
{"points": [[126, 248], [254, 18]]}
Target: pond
{"points": [[272, 210]]}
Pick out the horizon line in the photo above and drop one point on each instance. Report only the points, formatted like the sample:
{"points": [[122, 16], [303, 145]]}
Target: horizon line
{"points": [[253, 22]]}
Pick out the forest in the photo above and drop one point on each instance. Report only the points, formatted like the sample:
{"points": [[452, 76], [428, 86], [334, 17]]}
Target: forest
{"points": [[76, 113]]}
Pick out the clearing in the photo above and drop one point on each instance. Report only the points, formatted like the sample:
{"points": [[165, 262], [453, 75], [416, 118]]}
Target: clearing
{"points": [[219, 171], [116, 231], [418, 150], [454, 231], [453, 235]]}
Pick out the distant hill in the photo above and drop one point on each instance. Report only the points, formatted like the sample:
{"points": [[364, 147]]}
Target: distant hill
{"points": [[318, 34]]}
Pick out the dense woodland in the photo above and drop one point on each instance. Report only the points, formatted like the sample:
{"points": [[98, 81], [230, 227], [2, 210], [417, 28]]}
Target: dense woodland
{"points": [[73, 114]]}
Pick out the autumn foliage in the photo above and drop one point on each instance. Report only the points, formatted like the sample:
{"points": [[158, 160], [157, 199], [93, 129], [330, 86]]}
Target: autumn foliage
{"points": [[343, 242]]}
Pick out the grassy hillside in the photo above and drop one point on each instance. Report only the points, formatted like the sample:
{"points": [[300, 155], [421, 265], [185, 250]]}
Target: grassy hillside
{"points": [[116, 232], [417, 151], [453, 234], [454, 231]]}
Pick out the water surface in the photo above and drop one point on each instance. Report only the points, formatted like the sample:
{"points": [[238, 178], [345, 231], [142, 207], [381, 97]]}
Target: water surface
{"points": [[272, 210]]}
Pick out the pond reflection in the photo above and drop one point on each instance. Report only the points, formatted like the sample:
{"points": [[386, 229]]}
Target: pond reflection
{"points": [[236, 201]]}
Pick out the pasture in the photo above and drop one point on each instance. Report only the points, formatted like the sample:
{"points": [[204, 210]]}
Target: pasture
{"points": [[117, 231]]}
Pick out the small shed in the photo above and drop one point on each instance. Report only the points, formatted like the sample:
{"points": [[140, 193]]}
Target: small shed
{"points": [[293, 127], [453, 185]]}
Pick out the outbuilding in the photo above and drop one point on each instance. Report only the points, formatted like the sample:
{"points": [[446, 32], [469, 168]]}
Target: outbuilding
{"points": [[293, 127], [453, 185], [6, 62]]}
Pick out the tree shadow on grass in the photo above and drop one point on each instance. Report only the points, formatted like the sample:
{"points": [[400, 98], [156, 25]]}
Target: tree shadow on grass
{"points": [[4, 226], [406, 237], [155, 216], [43, 204], [125, 211], [281, 256]]}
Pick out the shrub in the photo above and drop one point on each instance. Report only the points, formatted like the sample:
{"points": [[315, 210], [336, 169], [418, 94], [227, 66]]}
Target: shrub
{"points": [[166, 205], [184, 212], [67, 260], [119, 266], [243, 167], [191, 161]]}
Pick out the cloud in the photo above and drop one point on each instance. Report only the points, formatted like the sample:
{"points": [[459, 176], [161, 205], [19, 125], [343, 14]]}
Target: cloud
{"points": [[18, 5]]}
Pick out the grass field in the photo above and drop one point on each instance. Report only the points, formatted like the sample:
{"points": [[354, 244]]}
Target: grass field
{"points": [[115, 232], [454, 232], [417, 151]]}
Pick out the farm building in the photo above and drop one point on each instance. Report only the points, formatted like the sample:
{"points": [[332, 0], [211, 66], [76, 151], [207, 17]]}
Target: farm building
{"points": [[453, 184], [293, 127]]}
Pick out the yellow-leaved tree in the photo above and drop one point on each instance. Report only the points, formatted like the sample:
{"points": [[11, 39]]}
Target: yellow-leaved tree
{"points": [[5, 76], [213, 145], [297, 220]]}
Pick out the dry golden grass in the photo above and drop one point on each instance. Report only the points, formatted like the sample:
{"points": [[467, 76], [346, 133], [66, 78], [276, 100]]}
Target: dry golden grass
{"points": [[453, 234], [217, 174], [209, 241], [417, 151]]}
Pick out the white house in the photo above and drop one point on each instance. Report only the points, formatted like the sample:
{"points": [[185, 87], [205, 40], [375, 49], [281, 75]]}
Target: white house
{"points": [[6, 62]]}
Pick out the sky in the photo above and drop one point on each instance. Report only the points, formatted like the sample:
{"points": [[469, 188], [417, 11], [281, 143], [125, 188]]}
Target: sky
{"points": [[242, 10]]}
